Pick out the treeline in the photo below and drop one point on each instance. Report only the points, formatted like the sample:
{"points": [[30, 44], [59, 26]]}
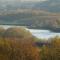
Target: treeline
{"points": [[19, 44], [51, 51]]}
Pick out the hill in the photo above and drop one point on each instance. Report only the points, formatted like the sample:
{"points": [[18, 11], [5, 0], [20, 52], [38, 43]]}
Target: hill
{"points": [[32, 18], [49, 5], [37, 15]]}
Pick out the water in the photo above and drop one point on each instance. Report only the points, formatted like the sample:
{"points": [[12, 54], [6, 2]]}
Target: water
{"points": [[43, 33], [38, 33]]}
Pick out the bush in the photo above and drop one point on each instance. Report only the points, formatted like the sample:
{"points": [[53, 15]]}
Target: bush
{"points": [[16, 33], [18, 45], [51, 52]]}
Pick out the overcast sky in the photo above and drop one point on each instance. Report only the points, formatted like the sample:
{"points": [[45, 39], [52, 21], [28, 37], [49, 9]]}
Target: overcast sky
{"points": [[33, 0], [24, 0]]}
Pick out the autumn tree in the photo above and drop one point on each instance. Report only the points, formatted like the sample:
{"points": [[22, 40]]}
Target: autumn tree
{"points": [[52, 51], [18, 45], [2, 30], [55, 48]]}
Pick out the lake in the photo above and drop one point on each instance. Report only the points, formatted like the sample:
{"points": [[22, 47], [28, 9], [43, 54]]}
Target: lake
{"points": [[38, 32], [43, 33]]}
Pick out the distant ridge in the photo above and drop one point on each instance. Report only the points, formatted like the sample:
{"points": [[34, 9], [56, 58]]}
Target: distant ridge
{"points": [[49, 5]]}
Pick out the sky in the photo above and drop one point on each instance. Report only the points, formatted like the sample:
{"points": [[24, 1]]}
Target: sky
{"points": [[33, 0], [24, 0]]}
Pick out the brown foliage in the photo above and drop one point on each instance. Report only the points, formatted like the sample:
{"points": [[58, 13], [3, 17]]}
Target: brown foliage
{"points": [[51, 52], [16, 33], [14, 48]]}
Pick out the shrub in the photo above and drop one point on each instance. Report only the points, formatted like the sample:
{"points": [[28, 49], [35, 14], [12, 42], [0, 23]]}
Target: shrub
{"points": [[18, 45]]}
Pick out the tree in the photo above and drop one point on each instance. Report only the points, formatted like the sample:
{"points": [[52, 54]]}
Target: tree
{"points": [[18, 45]]}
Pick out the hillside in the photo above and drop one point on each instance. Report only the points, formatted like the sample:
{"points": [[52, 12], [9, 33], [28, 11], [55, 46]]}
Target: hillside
{"points": [[49, 5], [18, 44], [33, 18], [45, 14]]}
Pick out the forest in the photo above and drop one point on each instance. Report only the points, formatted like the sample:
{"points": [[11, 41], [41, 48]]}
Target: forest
{"points": [[19, 44]]}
